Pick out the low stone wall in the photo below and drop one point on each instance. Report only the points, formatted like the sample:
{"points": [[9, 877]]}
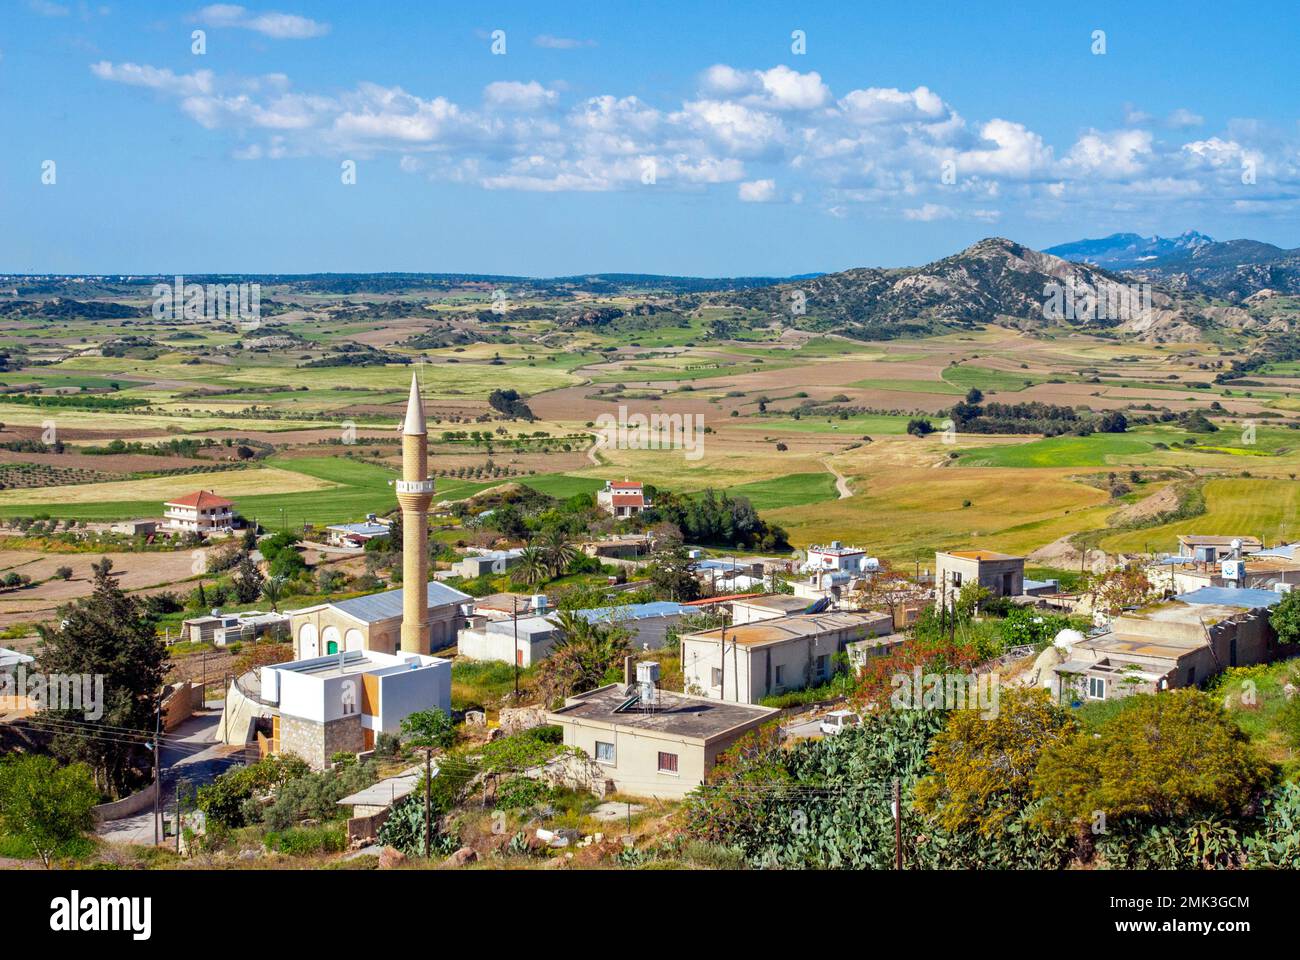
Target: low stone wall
{"points": [[126, 807], [574, 772], [515, 719]]}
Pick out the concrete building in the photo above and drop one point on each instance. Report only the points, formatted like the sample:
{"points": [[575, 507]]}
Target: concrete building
{"points": [[357, 534], [648, 623], [524, 642], [863, 651], [199, 512], [622, 498], [662, 746], [767, 607], [134, 528], [226, 628], [485, 562], [837, 558], [1177, 643], [768, 657], [374, 622], [327, 705], [1210, 549], [1000, 573]]}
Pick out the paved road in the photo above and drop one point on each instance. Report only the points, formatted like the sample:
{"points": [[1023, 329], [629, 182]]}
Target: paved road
{"points": [[805, 728], [191, 752]]}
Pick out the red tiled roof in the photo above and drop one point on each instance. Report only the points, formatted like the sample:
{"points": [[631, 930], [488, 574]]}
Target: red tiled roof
{"points": [[628, 500], [625, 484], [202, 499]]}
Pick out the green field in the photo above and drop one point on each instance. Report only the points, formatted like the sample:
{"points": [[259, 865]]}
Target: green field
{"points": [[795, 490], [1264, 508], [871, 425], [1097, 450]]}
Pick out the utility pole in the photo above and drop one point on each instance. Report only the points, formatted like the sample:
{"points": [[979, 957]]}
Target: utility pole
{"points": [[898, 825], [428, 807], [157, 777], [178, 814], [514, 610], [722, 658]]}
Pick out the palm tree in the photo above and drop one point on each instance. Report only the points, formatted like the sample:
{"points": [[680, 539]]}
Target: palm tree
{"points": [[533, 567], [559, 551], [273, 590], [589, 649]]}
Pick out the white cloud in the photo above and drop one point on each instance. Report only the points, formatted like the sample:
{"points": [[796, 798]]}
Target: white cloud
{"points": [[906, 154], [511, 95], [279, 26], [549, 42], [757, 191]]}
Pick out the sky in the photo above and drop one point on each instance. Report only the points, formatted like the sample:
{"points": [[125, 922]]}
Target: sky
{"points": [[702, 139]]}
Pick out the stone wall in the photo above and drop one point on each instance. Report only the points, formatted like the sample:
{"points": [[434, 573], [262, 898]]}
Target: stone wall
{"points": [[316, 742]]}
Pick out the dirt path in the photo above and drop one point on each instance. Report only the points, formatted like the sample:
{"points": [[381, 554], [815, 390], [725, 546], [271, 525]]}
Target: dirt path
{"points": [[841, 482]]}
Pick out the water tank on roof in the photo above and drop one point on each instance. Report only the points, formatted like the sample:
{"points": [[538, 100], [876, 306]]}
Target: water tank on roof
{"points": [[871, 563], [835, 544], [537, 601], [1067, 638]]}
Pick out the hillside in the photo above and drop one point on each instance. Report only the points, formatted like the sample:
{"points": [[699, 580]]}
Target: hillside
{"points": [[993, 281]]}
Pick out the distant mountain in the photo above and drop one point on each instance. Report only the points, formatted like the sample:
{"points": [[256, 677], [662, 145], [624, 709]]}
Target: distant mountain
{"points": [[1232, 269], [1122, 251], [993, 281]]}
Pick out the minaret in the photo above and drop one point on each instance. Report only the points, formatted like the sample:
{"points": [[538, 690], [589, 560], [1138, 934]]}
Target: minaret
{"points": [[414, 494]]}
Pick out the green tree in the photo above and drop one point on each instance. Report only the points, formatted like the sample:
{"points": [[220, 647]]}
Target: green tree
{"points": [[248, 580], [429, 728], [558, 550], [273, 590], [106, 635], [46, 804], [672, 572], [1285, 618], [983, 767], [1165, 756], [533, 568]]}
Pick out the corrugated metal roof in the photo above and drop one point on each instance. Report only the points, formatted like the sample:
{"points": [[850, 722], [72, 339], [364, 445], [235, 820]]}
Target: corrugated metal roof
{"points": [[634, 611], [1232, 597], [384, 606]]}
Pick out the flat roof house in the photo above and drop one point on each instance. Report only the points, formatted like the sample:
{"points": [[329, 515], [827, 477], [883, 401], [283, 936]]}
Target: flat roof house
{"points": [[648, 623], [622, 498], [357, 534], [199, 512], [1177, 643], [1002, 574], [768, 657], [373, 622], [486, 562], [526, 642], [328, 705], [663, 748], [768, 607]]}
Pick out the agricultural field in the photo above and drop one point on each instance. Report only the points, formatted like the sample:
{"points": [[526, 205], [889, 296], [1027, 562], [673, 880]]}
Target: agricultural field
{"points": [[295, 418]]}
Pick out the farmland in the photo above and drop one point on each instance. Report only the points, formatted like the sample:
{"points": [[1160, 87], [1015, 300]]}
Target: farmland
{"points": [[299, 412]]}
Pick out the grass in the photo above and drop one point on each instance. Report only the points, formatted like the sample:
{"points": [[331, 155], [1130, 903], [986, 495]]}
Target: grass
{"points": [[1267, 508], [987, 379], [1097, 450], [478, 683], [872, 425], [794, 490]]}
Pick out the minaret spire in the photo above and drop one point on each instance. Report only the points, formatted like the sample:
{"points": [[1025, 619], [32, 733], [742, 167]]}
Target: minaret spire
{"points": [[414, 494]]}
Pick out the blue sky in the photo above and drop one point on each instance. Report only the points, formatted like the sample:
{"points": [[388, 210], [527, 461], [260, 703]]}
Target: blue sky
{"points": [[684, 138]]}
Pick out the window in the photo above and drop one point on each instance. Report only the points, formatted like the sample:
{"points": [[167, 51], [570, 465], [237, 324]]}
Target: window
{"points": [[1096, 688], [780, 676], [822, 663], [667, 762], [604, 752], [956, 579], [717, 677]]}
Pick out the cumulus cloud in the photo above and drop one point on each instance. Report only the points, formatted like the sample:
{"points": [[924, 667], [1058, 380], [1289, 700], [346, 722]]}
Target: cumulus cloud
{"points": [[278, 26], [757, 191], [511, 95], [890, 152]]}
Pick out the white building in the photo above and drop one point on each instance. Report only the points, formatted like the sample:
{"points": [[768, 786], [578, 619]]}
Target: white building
{"points": [[327, 705], [200, 512], [622, 498], [746, 663]]}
